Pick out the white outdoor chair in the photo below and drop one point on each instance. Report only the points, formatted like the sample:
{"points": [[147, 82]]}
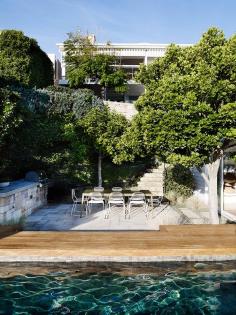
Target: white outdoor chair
{"points": [[76, 201], [137, 199], [155, 203], [99, 189], [115, 198], [119, 189], [95, 198]]}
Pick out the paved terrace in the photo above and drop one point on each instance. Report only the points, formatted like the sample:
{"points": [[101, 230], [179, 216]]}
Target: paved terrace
{"points": [[57, 218], [170, 243]]}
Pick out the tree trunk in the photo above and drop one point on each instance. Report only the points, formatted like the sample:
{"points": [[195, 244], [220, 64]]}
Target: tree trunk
{"points": [[212, 190], [105, 93], [100, 169]]}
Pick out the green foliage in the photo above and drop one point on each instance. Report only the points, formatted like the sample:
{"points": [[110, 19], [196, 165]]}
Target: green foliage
{"points": [[104, 129], [84, 62], [22, 61], [123, 175], [44, 133], [59, 100], [10, 115], [179, 179], [188, 112], [70, 101], [11, 120]]}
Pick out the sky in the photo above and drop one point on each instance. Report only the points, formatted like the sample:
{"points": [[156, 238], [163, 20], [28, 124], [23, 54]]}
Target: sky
{"points": [[118, 21]]}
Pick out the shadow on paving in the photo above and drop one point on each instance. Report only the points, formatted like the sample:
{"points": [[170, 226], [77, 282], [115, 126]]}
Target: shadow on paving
{"points": [[58, 218]]}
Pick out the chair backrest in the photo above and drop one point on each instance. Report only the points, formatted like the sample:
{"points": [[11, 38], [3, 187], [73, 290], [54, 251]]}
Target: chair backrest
{"points": [[157, 200], [101, 189], [74, 194], [116, 196], [117, 189], [96, 196], [137, 196]]}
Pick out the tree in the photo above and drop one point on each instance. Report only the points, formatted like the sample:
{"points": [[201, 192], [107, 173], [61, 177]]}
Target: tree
{"points": [[39, 131], [104, 129], [11, 117], [51, 138], [22, 61], [187, 115], [83, 62]]}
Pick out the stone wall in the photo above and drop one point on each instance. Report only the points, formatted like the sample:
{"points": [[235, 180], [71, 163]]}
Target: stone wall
{"points": [[20, 199], [126, 109]]}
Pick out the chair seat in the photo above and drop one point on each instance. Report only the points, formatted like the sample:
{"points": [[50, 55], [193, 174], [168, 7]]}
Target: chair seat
{"points": [[95, 201], [116, 201], [136, 202]]}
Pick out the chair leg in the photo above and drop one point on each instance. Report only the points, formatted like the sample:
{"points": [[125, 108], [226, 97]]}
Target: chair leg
{"points": [[107, 211], [146, 210], [129, 210], [72, 209], [126, 211], [89, 208]]}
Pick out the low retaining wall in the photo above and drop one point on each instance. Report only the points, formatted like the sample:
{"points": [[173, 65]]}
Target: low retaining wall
{"points": [[126, 109], [20, 198]]}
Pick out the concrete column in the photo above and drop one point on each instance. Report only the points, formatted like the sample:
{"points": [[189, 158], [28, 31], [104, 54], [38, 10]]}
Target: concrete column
{"points": [[145, 59]]}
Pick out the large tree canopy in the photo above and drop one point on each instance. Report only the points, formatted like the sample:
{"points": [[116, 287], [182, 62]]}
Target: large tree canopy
{"points": [[83, 61], [188, 112], [22, 61]]}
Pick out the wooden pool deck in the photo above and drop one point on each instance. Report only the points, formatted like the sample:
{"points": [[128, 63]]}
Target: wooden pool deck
{"points": [[171, 243]]}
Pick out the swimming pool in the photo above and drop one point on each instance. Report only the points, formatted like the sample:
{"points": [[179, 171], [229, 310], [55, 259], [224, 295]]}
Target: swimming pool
{"points": [[124, 289]]}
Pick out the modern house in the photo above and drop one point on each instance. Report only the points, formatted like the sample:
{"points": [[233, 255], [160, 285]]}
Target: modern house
{"points": [[56, 67], [130, 56]]}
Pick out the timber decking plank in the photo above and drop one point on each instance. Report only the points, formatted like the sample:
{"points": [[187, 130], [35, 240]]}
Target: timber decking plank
{"points": [[169, 241]]}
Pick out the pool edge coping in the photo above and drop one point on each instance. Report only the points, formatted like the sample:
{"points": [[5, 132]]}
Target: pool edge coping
{"points": [[118, 259]]}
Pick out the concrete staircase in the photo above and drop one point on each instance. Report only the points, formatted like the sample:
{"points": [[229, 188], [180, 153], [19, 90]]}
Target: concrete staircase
{"points": [[152, 180]]}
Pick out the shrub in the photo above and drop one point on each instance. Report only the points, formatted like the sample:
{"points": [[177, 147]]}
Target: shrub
{"points": [[22, 61], [179, 180], [49, 137]]}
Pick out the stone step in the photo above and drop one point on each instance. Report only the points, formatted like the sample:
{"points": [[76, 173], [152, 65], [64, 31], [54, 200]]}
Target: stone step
{"points": [[155, 172], [154, 191], [155, 175], [150, 182], [153, 180], [157, 169], [148, 187]]}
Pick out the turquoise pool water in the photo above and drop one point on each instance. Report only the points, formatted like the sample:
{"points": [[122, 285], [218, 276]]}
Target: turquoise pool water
{"points": [[127, 291]]}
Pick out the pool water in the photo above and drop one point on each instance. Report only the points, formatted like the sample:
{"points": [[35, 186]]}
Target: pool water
{"points": [[98, 292]]}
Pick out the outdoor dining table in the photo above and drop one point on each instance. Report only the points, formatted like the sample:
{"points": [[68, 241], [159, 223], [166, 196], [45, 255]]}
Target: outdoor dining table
{"points": [[126, 193]]}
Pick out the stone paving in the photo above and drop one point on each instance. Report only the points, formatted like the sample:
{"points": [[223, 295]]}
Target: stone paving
{"points": [[58, 218]]}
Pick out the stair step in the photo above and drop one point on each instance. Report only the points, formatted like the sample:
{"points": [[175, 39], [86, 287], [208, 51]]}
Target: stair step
{"points": [[156, 191], [150, 183], [152, 179], [150, 175], [149, 186], [155, 170]]}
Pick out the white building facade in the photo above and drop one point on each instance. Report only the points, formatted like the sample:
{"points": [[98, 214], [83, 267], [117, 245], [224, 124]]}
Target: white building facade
{"points": [[130, 56]]}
